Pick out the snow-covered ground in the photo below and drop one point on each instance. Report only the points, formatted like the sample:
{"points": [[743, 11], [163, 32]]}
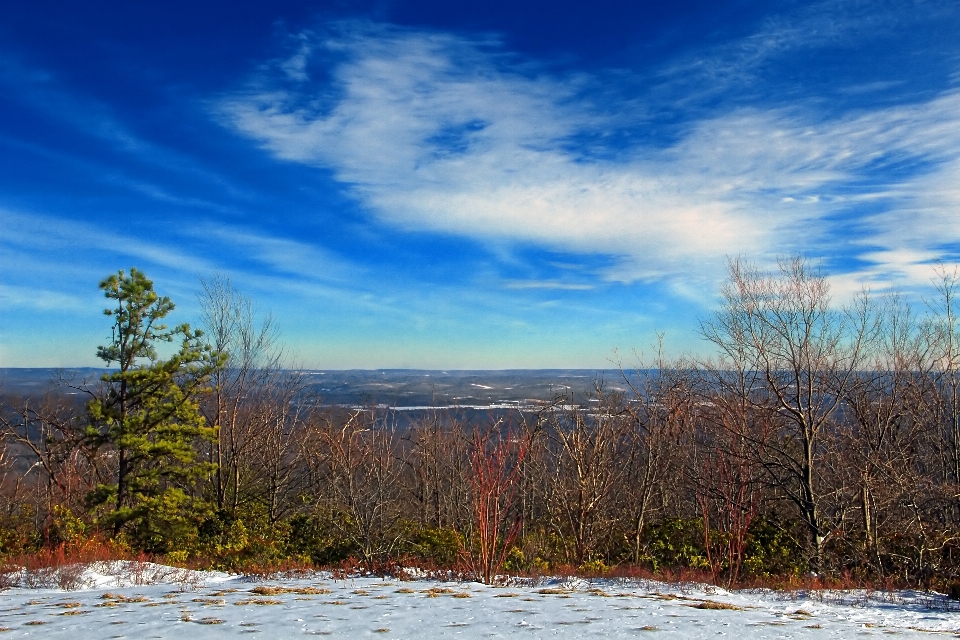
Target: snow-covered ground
{"points": [[116, 602]]}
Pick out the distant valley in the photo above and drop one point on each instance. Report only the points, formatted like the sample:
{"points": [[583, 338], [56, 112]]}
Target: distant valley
{"points": [[405, 389]]}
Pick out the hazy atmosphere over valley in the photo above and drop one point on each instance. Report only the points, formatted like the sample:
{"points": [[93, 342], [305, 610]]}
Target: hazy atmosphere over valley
{"points": [[467, 185]]}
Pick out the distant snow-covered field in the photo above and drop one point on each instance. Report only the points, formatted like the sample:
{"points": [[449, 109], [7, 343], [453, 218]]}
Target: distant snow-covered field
{"points": [[141, 601]]}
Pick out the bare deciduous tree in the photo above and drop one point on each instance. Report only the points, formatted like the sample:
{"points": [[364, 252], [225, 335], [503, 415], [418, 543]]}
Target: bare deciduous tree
{"points": [[245, 388], [438, 459], [662, 415], [45, 446], [588, 448], [362, 475], [800, 355]]}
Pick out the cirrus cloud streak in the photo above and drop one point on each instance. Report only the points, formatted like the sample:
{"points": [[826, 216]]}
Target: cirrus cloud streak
{"points": [[444, 133]]}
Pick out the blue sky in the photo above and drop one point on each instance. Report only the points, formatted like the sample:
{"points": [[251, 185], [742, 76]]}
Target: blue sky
{"points": [[466, 184]]}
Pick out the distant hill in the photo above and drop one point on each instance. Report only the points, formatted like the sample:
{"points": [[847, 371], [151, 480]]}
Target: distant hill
{"points": [[400, 388]]}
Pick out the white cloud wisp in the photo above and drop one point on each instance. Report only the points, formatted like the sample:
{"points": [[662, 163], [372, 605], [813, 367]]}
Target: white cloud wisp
{"points": [[441, 133]]}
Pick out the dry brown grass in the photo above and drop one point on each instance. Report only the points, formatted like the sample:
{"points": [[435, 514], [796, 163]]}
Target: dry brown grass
{"points": [[269, 590], [713, 605], [258, 601], [265, 590], [117, 598]]}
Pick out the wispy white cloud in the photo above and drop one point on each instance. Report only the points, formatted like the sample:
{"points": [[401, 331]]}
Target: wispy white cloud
{"points": [[52, 236], [739, 69], [548, 284], [278, 255], [39, 298], [438, 132], [45, 93], [233, 248]]}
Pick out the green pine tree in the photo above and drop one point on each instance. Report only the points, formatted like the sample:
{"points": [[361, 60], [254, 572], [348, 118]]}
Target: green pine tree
{"points": [[146, 419]]}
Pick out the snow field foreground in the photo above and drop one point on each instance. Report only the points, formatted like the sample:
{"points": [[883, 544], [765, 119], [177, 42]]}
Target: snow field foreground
{"points": [[184, 604]]}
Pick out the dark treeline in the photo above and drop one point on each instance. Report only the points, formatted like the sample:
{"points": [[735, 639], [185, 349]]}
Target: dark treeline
{"points": [[817, 439]]}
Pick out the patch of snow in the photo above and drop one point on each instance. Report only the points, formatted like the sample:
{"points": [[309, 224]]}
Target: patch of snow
{"points": [[144, 601]]}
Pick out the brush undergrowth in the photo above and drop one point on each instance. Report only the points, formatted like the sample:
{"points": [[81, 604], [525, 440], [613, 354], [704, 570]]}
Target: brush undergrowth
{"points": [[63, 566]]}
